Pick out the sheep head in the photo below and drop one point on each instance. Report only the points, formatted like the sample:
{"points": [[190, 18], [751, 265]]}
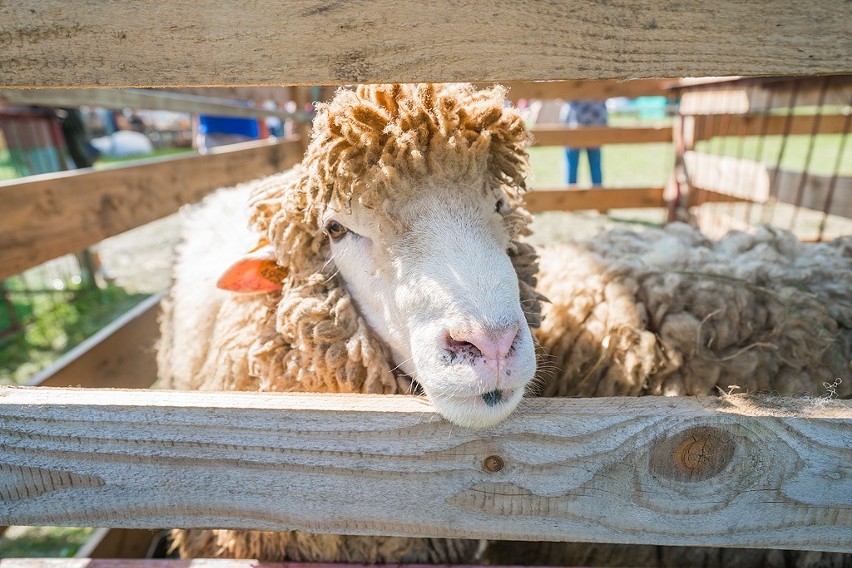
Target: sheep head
{"points": [[406, 211]]}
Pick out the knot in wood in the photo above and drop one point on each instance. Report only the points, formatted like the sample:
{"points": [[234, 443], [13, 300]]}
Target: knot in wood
{"points": [[494, 463], [695, 454]]}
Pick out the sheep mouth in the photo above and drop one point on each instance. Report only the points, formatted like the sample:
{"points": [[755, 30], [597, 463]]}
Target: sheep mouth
{"points": [[491, 399]]}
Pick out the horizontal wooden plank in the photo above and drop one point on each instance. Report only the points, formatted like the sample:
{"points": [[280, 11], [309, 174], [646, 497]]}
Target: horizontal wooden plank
{"points": [[636, 470], [593, 136], [740, 99], [48, 215], [313, 42], [137, 99], [121, 355], [597, 198], [118, 543], [754, 181], [197, 563], [588, 90], [710, 126]]}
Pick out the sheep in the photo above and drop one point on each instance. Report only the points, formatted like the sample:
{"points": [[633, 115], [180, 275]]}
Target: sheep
{"points": [[394, 247], [669, 312], [391, 261]]}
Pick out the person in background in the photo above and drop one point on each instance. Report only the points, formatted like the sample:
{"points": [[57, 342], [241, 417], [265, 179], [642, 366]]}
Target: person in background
{"points": [[583, 113]]}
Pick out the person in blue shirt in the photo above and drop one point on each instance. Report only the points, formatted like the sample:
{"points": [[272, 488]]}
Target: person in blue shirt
{"points": [[583, 113]]}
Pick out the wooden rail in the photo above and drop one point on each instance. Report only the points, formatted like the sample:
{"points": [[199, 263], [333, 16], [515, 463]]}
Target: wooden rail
{"points": [[754, 181], [744, 98], [593, 136], [710, 126], [137, 99], [49, 215], [602, 470], [587, 90], [597, 198], [312, 42]]}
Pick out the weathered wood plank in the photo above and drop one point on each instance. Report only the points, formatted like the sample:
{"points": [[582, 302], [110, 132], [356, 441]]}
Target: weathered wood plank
{"points": [[53, 214], [754, 181], [118, 543], [136, 99], [603, 470], [740, 99], [587, 90], [594, 136], [598, 198], [759, 125], [196, 563], [314, 42], [121, 355]]}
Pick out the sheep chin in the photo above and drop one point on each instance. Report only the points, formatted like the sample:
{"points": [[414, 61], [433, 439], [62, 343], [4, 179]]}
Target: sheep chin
{"points": [[473, 412]]}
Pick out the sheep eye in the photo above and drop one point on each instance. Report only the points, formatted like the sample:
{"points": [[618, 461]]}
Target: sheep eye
{"points": [[335, 230], [500, 205]]}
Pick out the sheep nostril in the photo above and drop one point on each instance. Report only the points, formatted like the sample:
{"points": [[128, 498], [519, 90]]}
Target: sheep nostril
{"points": [[456, 345], [493, 397]]}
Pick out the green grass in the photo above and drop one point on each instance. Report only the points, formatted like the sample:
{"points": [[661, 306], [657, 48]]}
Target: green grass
{"points": [[60, 325], [43, 542], [7, 169], [624, 165]]}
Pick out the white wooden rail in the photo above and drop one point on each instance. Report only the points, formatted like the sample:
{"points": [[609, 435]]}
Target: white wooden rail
{"points": [[647, 470]]}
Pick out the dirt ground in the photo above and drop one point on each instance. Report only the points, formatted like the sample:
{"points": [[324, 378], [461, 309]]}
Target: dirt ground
{"points": [[141, 260]]}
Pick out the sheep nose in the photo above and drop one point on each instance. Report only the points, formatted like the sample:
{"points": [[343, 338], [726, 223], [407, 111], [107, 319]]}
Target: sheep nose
{"points": [[493, 343]]}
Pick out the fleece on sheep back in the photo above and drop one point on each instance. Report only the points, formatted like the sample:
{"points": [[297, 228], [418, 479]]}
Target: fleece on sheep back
{"points": [[669, 312]]}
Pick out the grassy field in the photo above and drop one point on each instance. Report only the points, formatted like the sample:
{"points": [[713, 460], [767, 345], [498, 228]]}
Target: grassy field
{"points": [[624, 165], [42, 542], [63, 320]]}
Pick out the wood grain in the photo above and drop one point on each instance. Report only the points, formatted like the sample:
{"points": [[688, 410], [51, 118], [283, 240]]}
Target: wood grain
{"points": [[136, 99], [710, 126], [49, 215], [742, 98], [318, 42], [594, 136], [118, 543], [196, 563], [680, 471], [598, 198], [587, 90], [121, 355], [754, 181]]}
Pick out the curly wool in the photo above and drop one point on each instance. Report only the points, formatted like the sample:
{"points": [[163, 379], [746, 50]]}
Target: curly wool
{"points": [[669, 312], [376, 145]]}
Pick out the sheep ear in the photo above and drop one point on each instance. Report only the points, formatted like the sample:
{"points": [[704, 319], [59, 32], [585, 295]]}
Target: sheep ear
{"points": [[254, 273]]}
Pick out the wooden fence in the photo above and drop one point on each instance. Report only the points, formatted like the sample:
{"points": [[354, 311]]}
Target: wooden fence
{"points": [[601, 470], [760, 109], [608, 470]]}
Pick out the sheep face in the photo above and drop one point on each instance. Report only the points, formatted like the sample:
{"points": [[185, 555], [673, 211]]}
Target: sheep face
{"points": [[434, 280]]}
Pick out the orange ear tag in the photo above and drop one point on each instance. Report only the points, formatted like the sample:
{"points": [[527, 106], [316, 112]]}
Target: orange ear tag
{"points": [[255, 273]]}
